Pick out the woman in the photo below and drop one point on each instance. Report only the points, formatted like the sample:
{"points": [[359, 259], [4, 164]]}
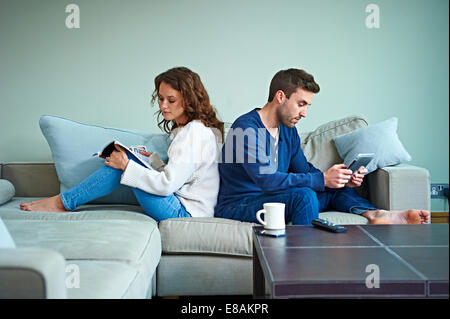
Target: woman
{"points": [[188, 184]]}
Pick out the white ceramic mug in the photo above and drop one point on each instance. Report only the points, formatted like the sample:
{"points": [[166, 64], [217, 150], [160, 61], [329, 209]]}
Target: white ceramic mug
{"points": [[273, 216]]}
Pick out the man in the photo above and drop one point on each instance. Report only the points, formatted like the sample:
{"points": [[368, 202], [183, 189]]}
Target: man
{"points": [[262, 162]]}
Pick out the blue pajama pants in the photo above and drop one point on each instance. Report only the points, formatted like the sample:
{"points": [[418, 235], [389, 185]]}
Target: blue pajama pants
{"points": [[302, 204]]}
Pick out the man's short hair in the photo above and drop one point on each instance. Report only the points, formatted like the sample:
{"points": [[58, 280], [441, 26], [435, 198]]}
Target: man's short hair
{"points": [[289, 80]]}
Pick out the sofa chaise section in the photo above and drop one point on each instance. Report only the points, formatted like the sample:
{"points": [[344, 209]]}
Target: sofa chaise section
{"points": [[114, 249]]}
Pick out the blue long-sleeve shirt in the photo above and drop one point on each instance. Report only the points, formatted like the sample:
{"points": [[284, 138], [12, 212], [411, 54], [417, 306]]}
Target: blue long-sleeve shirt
{"points": [[252, 165]]}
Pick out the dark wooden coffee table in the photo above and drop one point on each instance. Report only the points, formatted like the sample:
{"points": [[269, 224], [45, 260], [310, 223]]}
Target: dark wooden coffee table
{"points": [[406, 261]]}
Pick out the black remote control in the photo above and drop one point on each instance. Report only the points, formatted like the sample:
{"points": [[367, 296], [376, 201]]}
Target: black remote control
{"points": [[324, 224]]}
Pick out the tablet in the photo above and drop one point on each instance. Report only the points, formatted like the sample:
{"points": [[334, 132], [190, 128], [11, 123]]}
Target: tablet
{"points": [[361, 159]]}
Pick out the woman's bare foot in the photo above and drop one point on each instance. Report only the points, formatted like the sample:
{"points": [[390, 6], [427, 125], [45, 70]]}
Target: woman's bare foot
{"points": [[411, 216], [51, 204]]}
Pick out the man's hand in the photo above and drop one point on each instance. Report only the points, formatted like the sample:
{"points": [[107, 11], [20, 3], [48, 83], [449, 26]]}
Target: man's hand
{"points": [[118, 159], [337, 176], [357, 177]]}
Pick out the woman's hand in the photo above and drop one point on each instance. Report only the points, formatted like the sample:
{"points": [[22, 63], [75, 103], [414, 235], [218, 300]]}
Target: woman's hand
{"points": [[357, 177], [118, 159]]}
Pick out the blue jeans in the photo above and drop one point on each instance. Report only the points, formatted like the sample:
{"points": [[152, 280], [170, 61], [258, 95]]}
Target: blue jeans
{"points": [[106, 179], [302, 204]]}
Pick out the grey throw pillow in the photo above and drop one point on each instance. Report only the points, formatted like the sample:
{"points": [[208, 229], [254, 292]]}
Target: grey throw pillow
{"points": [[381, 139], [7, 191]]}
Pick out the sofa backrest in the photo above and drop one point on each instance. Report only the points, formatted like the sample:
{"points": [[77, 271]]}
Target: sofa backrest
{"points": [[318, 145], [31, 179], [41, 180]]}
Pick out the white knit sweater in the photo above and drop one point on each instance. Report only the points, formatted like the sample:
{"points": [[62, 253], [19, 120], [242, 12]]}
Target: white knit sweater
{"points": [[191, 172]]}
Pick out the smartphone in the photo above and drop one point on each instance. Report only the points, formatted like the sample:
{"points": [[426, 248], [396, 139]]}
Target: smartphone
{"points": [[361, 159]]}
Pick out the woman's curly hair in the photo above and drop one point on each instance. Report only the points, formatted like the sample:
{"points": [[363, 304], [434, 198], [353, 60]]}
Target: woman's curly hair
{"points": [[195, 98]]}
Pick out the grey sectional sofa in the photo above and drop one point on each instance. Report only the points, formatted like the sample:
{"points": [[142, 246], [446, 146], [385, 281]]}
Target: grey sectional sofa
{"points": [[120, 252]]}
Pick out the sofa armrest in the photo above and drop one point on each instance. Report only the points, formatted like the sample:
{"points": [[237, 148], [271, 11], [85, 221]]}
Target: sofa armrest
{"points": [[34, 273], [400, 187]]}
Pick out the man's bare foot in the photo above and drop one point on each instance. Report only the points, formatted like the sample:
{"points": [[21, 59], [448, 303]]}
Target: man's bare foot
{"points": [[51, 204], [411, 216]]}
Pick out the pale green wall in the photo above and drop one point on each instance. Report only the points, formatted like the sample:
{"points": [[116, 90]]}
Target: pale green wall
{"points": [[103, 72]]}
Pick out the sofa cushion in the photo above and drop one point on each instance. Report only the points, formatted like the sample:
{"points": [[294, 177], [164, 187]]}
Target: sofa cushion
{"points": [[318, 145], [381, 139], [341, 218], [206, 235], [7, 191], [72, 145], [124, 240]]}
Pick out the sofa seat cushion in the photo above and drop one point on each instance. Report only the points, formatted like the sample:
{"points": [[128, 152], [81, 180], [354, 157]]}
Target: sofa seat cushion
{"points": [[344, 218], [119, 240], [206, 235]]}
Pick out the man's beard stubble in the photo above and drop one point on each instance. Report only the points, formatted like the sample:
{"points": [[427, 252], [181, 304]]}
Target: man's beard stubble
{"points": [[286, 120]]}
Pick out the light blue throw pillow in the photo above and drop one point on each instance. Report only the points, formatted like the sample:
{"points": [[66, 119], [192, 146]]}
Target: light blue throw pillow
{"points": [[7, 191], [381, 139], [72, 145]]}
